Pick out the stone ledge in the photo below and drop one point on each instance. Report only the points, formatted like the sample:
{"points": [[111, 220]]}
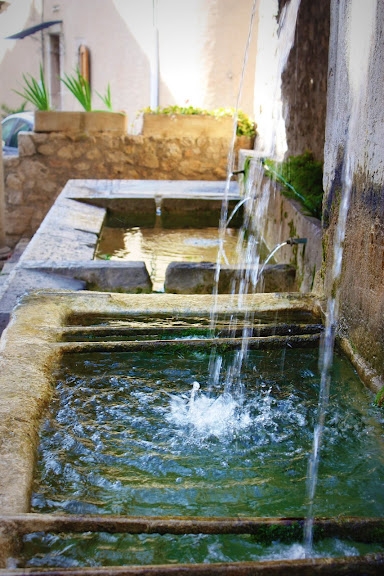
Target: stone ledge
{"points": [[97, 121]]}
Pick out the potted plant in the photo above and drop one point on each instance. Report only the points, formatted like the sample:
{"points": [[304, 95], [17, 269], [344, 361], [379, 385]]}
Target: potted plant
{"points": [[35, 91], [89, 120]]}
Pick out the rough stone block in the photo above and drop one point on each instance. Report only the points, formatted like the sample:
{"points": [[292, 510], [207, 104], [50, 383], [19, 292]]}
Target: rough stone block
{"points": [[101, 275], [59, 121], [179, 126], [199, 278]]}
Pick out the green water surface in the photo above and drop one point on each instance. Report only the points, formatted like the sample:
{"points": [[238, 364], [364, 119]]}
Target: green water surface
{"points": [[119, 439]]}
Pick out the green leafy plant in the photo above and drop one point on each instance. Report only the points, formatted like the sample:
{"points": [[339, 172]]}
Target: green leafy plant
{"points": [[107, 99], [379, 398], [301, 177], [35, 91], [6, 110], [80, 88], [245, 126]]}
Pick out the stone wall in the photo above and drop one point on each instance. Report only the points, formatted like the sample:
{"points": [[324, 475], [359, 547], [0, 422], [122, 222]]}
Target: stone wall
{"points": [[47, 161], [354, 152], [304, 80]]}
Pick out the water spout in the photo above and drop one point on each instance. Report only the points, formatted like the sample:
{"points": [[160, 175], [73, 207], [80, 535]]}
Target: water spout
{"points": [[290, 241], [158, 205], [236, 208], [279, 177], [293, 241], [271, 255]]}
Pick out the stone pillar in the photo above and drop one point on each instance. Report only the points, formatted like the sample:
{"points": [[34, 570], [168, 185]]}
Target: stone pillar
{"points": [[4, 250]]}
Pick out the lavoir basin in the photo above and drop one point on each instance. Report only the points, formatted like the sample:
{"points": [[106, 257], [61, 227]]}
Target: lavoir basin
{"points": [[72, 250], [121, 451]]}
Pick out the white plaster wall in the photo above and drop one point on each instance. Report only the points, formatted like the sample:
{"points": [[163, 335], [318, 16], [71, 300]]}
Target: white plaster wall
{"points": [[200, 50], [18, 57], [273, 48], [355, 120]]}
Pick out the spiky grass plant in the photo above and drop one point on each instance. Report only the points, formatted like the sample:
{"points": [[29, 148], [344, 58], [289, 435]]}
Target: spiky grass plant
{"points": [[35, 91], [107, 99], [80, 88]]}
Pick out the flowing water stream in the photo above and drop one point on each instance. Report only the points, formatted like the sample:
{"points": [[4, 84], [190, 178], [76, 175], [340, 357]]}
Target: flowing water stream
{"points": [[255, 204], [331, 322]]}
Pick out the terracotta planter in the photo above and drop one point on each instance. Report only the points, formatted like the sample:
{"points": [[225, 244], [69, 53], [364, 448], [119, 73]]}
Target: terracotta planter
{"points": [[192, 126], [62, 121]]}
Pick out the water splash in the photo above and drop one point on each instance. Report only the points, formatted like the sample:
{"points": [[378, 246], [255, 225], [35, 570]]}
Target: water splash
{"points": [[257, 418], [209, 417]]}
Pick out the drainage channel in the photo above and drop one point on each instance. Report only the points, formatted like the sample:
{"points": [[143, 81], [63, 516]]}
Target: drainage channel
{"points": [[270, 342], [368, 530], [107, 333]]}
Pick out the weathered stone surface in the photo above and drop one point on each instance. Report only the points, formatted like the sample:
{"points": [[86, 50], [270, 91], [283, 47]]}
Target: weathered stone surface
{"points": [[14, 181], [199, 278], [179, 125], [24, 281], [354, 145], [15, 197], [59, 121], [105, 276], [304, 80], [48, 245], [285, 220], [27, 146]]}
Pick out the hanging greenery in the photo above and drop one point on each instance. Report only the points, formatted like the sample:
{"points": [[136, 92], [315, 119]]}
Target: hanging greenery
{"points": [[301, 178]]}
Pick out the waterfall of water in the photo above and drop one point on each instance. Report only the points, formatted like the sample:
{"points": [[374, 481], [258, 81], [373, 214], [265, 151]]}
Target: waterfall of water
{"points": [[327, 348], [255, 209], [230, 167], [225, 386], [223, 378], [215, 363]]}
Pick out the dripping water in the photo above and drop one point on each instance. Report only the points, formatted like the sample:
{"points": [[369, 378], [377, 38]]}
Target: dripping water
{"points": [[357, 62]]}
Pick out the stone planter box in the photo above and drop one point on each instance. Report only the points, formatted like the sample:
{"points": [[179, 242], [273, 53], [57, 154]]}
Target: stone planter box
{"points": [[63, 121], [192, 126]]}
